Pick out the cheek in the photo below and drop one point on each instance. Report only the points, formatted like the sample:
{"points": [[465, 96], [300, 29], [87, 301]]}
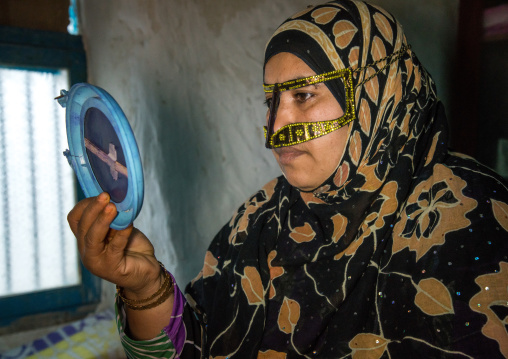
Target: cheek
{"points": [[330, 150], [329, 109]]}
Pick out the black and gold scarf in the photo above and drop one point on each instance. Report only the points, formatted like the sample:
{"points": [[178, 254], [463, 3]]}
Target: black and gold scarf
{"points": [[401, 253]]}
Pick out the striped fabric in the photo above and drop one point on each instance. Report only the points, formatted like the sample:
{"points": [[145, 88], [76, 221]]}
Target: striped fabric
{"points": [[158, 347]]}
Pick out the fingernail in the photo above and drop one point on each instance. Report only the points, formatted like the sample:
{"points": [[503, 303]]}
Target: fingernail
{"points": [[103, 197], [109, 208]]}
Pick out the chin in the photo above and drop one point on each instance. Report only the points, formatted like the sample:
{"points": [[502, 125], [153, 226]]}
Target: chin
{"points": [[301, 182]]}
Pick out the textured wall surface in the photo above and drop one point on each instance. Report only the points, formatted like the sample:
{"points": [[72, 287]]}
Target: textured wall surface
{"points": [[188, 75]]}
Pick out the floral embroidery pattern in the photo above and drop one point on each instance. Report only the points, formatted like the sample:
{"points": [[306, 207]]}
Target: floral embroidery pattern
{"points": [[288, 315], [436, 207], [243, 216], [368, 346], [493, 296], [252, 286], [275, 272], [302, 234], [324, 15], [500, 210], [433, 298]]}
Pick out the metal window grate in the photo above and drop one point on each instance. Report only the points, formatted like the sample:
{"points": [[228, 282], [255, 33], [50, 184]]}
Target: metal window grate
{"points": [[37, 249]]}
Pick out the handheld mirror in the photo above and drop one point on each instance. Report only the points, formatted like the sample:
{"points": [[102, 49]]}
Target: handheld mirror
{"points": [[102, 150]]}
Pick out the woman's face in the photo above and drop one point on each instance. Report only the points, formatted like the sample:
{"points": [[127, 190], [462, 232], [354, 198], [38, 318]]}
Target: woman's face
{"points": [[306, 165]]}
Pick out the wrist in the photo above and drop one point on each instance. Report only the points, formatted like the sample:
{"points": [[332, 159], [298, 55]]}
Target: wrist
{"points": [[152, 295], [152, 283]]}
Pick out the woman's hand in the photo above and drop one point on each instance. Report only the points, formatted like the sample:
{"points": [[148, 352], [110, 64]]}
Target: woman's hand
{"points": [[125, 257]]}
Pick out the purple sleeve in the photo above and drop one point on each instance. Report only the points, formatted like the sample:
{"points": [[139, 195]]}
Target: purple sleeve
{"points": [[176, 329], [181, 339]]}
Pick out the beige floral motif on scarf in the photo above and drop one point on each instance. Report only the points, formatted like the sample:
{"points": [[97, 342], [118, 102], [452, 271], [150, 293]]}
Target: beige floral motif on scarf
{"points": [[310, 197], [344, 32], [341, 175], [339, 226], [288, 315], [271, 354], [368, 346], [325, 14], [251, 206], [500, 210], [275, 271], [374, 220], [252, 286], [210, 266], [384, 27], [302, 234], [493, 292], [436, 207], [433, 298]]}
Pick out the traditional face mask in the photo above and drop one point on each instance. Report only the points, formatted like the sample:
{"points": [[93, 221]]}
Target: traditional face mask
{"points": [[299, 132], [295, 133]]}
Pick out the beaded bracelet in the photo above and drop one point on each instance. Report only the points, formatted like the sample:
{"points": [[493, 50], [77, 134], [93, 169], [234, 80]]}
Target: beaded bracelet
{"points": [[164, 292]]}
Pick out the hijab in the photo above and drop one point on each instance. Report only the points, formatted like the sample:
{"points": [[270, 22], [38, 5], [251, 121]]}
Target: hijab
{"points": [[401, 252]]}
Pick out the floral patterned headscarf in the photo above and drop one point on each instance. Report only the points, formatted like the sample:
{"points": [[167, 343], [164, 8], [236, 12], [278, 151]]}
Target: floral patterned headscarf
{"points": [[402, 252]]}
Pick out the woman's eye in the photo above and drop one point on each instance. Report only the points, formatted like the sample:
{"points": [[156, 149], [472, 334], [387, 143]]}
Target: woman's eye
{"points": [[303, 96], [268, 102]]}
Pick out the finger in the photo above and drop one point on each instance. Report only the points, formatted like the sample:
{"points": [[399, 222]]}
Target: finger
{"points": [[77, 217], [91, 212], [94, 240], [75, 214]]}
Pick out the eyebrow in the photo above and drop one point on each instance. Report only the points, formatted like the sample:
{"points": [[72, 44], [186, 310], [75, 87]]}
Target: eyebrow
{"points": [[316, 86], [299, 82]]}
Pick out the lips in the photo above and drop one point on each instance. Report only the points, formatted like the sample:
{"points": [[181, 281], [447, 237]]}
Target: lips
{"points": [[287, 154]]}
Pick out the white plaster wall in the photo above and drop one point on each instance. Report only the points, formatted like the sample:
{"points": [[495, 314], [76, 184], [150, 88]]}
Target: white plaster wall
{"points": [[188, 75]]}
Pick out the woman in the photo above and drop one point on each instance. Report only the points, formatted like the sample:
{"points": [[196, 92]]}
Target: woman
{"points": [[376, 242]]}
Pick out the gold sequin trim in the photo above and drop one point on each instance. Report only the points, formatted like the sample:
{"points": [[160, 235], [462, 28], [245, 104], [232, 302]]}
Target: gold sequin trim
{"points": [[296, 133]]}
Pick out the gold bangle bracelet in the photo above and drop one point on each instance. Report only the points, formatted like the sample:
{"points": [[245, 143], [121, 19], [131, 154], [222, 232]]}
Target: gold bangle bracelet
{"points": [[165, 295], [162, 293], [139, 301]]}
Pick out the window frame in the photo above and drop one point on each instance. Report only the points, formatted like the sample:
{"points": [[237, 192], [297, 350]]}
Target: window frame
{"points": [[33, 49]]}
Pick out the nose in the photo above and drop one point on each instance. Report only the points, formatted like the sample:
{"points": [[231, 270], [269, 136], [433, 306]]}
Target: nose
{"points": [[285, 113], [280, 114]]}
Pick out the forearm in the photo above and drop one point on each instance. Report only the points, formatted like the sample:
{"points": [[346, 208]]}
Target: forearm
{"points": [[150, 311], [147, 324], [160, 335]]}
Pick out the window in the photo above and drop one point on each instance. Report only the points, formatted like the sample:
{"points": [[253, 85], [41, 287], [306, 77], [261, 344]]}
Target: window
{"points": [[39, 267], [37, 251]]}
